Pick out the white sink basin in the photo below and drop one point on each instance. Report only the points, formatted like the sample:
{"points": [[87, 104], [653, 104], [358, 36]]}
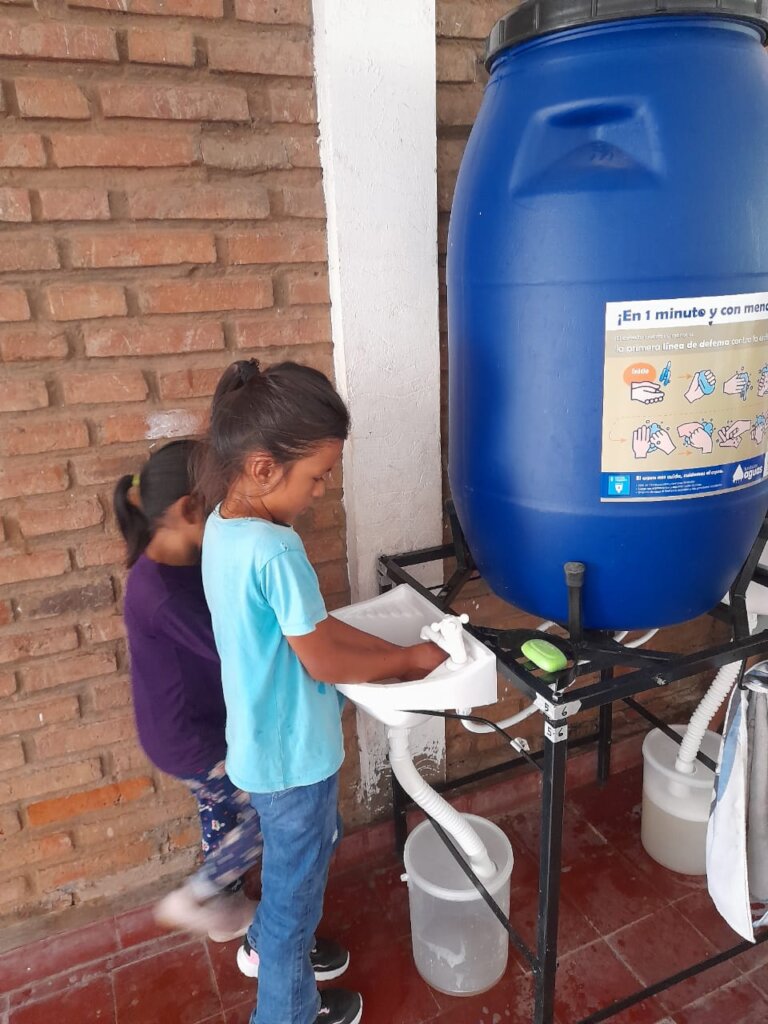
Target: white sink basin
{"points": [[399, 616]]}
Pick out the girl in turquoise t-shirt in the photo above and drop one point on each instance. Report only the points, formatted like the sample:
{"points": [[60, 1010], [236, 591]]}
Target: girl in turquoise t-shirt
{"points": [[274, 437]]}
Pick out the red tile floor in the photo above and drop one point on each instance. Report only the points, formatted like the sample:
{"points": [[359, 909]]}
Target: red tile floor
{"points": [[625, 923]]}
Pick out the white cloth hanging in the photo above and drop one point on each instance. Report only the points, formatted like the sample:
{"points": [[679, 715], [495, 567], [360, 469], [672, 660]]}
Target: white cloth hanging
{"points": [[737, 835]]}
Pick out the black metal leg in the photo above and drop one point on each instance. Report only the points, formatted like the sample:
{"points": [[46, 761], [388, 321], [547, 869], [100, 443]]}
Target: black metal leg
{"points": [[550, 862], [605, 736], [399, 804]]}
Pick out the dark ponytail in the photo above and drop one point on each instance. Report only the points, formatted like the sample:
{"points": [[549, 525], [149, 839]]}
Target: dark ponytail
{"points": [[131, 520], [141, 501], [286, 410]]}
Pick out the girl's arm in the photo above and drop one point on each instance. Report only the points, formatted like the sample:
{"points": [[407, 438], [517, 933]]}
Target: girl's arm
{"points": [[337, 653], [346, 634]]}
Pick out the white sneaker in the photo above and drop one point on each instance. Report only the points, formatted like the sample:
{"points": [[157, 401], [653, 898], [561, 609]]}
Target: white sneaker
{"points": [[182, 909], [236, 913], [222, 917]]}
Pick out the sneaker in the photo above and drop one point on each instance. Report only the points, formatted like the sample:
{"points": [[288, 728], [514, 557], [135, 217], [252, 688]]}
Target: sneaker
{"points": [[182, 909], [222, 917], [329, 960], [235, 913], [337, 1006]]}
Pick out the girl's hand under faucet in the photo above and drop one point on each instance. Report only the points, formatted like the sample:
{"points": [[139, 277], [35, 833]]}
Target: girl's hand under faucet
{"points": [[427, 657], [335, 652]]}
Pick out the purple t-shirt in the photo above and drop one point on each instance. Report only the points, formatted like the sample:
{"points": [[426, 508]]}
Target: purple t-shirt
{"points": [[175, 670]]}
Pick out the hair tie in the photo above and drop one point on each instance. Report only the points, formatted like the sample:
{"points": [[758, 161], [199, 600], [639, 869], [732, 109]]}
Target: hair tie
{"points": [[247, 369], [135, 480]]}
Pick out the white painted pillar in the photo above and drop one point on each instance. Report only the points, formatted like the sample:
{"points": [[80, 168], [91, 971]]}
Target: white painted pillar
{"points": [[376, 85], [376, 88]]}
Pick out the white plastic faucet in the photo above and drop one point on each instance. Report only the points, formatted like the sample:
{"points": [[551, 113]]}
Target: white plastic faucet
{"points": [[449, 634]]}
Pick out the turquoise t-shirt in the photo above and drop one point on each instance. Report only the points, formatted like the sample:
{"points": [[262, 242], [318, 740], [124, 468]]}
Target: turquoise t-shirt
{"points": [[283, 727]]}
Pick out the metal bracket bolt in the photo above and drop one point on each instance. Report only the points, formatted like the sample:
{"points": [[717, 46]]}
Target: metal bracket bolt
{"points": [[383, 579]]}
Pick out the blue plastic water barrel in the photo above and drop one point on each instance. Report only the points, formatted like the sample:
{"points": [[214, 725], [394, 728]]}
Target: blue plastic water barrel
{"points": [[607, 271]]}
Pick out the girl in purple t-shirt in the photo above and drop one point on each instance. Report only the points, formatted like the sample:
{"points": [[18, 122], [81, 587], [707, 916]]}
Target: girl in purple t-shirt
{"points": [[176, 682]]}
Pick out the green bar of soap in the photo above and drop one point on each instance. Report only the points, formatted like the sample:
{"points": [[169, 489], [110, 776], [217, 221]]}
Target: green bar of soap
{"points": [[545, 655]]}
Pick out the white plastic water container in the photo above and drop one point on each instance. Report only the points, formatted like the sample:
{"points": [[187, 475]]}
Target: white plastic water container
{"points": [[676, 806], [459, 946]]}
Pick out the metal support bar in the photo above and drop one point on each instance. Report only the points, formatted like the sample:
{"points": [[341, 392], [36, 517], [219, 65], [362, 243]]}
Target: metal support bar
{"points": [[393, 567], [465, 565], [683, 667], [597, 652], [606, 735], [661, 986], [550, 863]]}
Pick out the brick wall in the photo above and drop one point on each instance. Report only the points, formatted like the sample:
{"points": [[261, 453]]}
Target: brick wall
{"points": [[462, 26], [162, 214]]}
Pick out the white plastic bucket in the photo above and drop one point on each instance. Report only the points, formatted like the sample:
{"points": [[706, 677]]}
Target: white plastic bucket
{"points": [[459, 946], [675, 806]]}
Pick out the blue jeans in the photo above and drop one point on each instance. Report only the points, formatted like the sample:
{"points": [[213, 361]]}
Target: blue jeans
{"points": [[300, 832]]}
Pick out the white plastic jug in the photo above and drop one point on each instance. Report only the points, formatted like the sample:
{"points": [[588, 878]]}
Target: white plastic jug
{"points": [[676, 806], [459, 946]]}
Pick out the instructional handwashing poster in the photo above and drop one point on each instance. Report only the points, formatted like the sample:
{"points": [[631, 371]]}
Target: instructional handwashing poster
{"points": [[685, 399]]}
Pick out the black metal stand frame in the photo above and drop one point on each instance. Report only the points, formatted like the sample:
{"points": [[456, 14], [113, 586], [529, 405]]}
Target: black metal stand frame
{"points": [[589, 653]]}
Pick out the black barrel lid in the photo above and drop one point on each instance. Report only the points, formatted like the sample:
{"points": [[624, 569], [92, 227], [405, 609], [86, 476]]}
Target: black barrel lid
{"points": [[540, 17]]}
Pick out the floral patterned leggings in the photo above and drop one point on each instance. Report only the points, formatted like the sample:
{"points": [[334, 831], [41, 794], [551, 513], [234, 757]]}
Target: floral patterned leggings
{"points": [[231, 831]]}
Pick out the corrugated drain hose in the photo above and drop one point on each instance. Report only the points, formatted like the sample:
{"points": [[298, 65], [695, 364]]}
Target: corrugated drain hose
{"points": [[719, 689], [455, 824]]}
